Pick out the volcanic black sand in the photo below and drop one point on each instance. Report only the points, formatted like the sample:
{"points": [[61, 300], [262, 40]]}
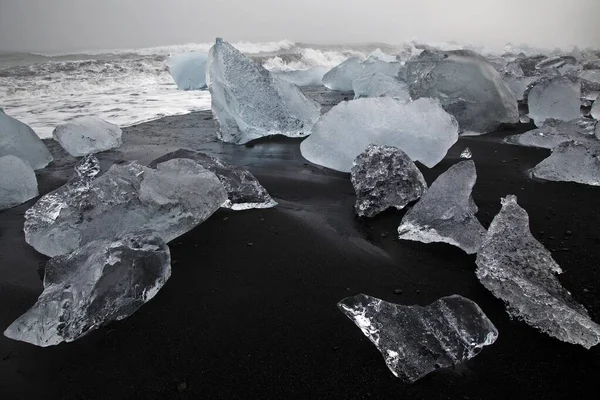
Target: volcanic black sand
{"points": [[250, 310]]}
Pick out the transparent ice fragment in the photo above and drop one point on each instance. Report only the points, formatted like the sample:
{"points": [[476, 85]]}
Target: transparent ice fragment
{"points": [[342, 76], [17, 182], [18, 139], [555, 132], [572, 162], [466, 153], [557, 98], [378, 85], [87, 135], [188, 70]]}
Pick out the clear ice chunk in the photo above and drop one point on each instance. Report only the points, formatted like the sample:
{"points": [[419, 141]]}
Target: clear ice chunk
{"points": [[243, 189], [170, 200], [343, 76], [87, 135], [303, 77], [18, 139], [188, 70], [466, 153], [17, 182], [468, 87], [517, 269], [249, 102], [446, 211], [414, 340], [557, 98], [384, 177], [555, 132], [422, 129], [378, 85], [103, 281], [572, 162]]}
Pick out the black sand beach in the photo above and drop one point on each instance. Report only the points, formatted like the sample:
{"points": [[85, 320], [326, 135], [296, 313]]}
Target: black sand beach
{"points": [[250, 310]]}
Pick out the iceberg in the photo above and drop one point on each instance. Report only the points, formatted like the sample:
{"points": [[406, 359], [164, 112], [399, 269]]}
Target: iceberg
{"points": [[415, 341], [555, 132], [87, 135], [517, 269], [18, 139], [557, 98], [446, 212], [249, 102], [243, 189], [384, 177], [17, 182], [172, 199], [572, 162], [342, 76], [188, 70], [103, 281], [468, 87], [422, 129], [378, 85]]}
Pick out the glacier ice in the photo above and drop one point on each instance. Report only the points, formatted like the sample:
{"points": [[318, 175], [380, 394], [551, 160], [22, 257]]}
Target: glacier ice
{"points": [[18, 139], [105, 280], [422, 129], [378, 85], [414, 340], [249, 102], [243, 189], [87, 135], [517, 269], [17, 182], [446, 211], [466, 153], [188, 70], [595, 111], [342, 76], [468, 87], [172, 199], [557, 98], [573, 161], [555, 132], [384, 177]]}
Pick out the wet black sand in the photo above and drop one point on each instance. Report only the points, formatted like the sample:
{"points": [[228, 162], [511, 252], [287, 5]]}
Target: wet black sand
{"points": [[250, 310]]}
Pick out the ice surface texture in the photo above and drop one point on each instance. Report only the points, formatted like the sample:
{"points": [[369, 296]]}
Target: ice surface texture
{"points": [[18, 139], [384, 177], [249, 102], [415, 340], [555, 132], [517, 269], [87, 135], [243, 189], [342, 76], [170, 200], [557, 98], [378, 84], [595, 111], [572, 162], [446, 211], [422, 129], [188, 70], [17, 182], [103, 281], [468, 87]]}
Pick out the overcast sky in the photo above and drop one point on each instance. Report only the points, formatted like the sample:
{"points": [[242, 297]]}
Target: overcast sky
{"points": [[59, 25]]}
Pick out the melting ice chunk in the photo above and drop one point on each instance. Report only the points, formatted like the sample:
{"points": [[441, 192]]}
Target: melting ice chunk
{"points": [[572, 162], [342, 76], [517, 269], [17, 182], [188, 70], [557, 98], [446, 212], [18, 139], [555, 132], [378, 85], [103, 281], [384, 177], [87, 135], [249, 102], [422, 129], [415, 340], [466, 153], [243, 189]]}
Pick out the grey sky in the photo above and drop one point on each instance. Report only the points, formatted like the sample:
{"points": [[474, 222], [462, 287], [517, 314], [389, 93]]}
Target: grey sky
{"points": [[59, 25]]}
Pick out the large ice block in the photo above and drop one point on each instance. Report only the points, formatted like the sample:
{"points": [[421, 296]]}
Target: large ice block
{"points": [[249, 102], [342, 76], [18, 139], [17, 182], [414, 340], [87, 135], [422, 129], [378, 85], [557, 98], [517, 269], [188, 70], [573, 161]]}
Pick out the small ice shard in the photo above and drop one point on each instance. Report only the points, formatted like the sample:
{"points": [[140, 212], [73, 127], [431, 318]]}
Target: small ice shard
{"points": [[87, 168], [243, 189], [414, 340], [555, 132], [188, 70], [557, 98], [595, 111], [384, 177], [517, 269], [17, 182], [422, 129], [466, 153], [342, 76], [249, 102], [18, 139], [170, 200], [378, 85], [468, 87], [572, 162], [103, 281], [87, 135], [524, 119], [446, 211]]}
